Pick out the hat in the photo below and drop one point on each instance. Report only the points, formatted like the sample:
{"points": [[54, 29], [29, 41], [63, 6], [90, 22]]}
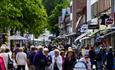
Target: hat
{"points": [[32, 46], [46, 49], [56, 50]]}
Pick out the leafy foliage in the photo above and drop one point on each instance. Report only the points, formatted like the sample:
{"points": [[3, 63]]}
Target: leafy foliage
{"points": [[24, 15], [54, 8]]}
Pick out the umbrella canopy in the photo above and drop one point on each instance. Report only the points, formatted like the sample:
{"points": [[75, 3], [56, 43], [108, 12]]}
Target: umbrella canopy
{"points": [[17, 37]]}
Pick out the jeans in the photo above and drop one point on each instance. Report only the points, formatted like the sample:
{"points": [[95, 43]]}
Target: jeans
{"points": [[99, 65]]}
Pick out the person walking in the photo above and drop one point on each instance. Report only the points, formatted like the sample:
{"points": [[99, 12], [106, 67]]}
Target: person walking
{"points": [[49, 59], [56, 61], [69, 60], [21, 59], [13, 58], [2, 64], [92, 55], [63, 58], [31, 55], [40, 59], [100, 57], [110, 60], [85, 59]]}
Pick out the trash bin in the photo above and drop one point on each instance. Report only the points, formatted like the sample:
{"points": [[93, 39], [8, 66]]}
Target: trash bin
{"points": [[80, 66]]}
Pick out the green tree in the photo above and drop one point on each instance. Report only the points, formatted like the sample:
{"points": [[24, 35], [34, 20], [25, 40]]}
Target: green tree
{"points": [[23, 15], [54, 8], [51, 4]]}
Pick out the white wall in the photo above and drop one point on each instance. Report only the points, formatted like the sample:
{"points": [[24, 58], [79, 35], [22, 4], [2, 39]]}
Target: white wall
{"points": [[88, 10], [93, 1], [89, 3]]}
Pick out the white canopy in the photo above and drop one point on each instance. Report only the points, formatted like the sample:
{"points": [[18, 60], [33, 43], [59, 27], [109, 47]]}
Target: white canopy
{"points": [[17, 37], [81, 36]]}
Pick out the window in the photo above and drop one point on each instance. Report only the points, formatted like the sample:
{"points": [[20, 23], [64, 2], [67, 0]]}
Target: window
{"points": [[94, 10]]}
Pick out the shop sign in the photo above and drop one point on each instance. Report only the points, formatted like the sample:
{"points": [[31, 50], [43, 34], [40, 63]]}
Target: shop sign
{"points": [[93, 26], [109, 21], [98, 39], [84, 28]]}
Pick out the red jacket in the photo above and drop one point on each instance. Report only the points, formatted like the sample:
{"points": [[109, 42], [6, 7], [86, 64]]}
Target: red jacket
{"points": [[2, 66]]}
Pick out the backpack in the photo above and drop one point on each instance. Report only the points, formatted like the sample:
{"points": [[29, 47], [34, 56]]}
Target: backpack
{"points": [[42, 62]]}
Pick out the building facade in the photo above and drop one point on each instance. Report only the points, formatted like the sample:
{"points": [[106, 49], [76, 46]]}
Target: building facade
{"points": [[101, 12]]}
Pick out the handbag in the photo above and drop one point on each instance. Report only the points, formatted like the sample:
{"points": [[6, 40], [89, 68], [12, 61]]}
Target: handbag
{"points": [[10, 63]]}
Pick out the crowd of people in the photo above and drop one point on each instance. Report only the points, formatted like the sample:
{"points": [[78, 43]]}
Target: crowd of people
{"points": [[45, 58]]}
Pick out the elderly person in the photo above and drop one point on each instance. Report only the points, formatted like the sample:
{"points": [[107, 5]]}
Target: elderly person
{"points": [[49, 59], [57, 61], [21, 59]]}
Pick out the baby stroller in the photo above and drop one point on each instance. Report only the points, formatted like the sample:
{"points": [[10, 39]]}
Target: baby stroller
{"points": [[80, 65]]}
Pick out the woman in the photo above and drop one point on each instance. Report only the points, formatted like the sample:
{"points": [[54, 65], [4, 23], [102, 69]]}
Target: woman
{"points": [[2, 64], [14, 61], [21, 59], [69, 60], [57, 61]]}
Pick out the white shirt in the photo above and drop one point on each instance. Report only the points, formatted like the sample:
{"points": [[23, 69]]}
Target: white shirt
{"points": [[51, 53], [21, 58], [58, 62]]}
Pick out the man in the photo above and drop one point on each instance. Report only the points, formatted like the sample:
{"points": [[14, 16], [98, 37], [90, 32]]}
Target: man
{"points": [[87, 61], [31, 58], [110, 59], [40, 60]]}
